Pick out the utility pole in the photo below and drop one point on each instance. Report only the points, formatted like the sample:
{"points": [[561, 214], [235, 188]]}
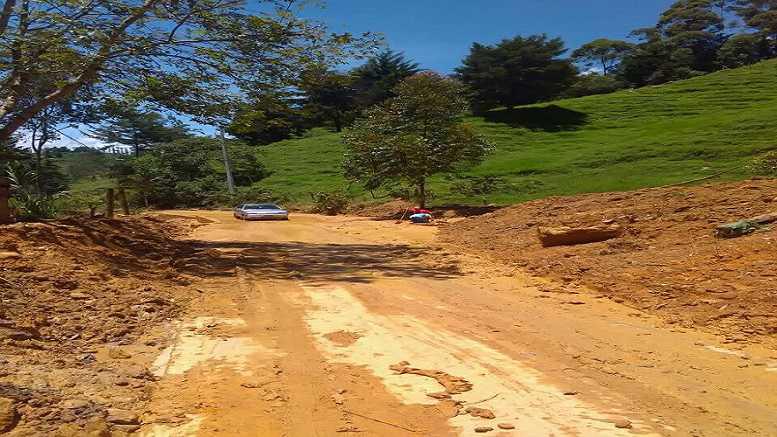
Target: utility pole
{"points": [[227, 164]]}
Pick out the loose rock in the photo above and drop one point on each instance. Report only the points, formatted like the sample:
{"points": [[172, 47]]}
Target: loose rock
{"points": [[480, 412], [122, 417], [564, 236], [119, 354], [506, 426], [75, 404], [8, 415], [622, 424], [483, 429]]}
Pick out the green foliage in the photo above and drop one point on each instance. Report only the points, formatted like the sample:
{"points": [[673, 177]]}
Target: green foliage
{"points": [[82, 163], [696, 26], [627, 140], [760, 15], [330, 97], [196, 57], [478, 186], [188, 172], [377, 78], [765, 165], [591, 84], [79, 202], [741, 50], [137, 128], [269, 118], [26, 198], [516, 71], [413, 136], [655, 60], [329, 203], [603, 54]]}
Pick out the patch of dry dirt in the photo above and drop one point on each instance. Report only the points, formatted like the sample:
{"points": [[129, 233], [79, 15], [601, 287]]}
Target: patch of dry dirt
{"points": [[342, 338], [79, 300], [668, 262]]}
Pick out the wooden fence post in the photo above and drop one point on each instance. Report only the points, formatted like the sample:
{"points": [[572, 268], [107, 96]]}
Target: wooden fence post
{"points": [[123, 201], [5, 195], [109, 203]]}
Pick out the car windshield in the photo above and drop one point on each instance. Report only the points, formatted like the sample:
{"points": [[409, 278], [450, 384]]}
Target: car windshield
{"points": [[261, 206]]}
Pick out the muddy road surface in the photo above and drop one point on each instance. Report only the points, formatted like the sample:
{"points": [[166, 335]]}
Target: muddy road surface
{"points": [[327, 326]]}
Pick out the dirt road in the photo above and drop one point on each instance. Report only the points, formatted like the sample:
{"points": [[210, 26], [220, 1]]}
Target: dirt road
{"points": [[346, 326]]}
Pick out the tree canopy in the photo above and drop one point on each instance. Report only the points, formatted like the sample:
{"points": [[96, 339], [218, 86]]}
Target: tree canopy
{"points": [[376, 79], [194, 57], [138, 128], [417, 134], [516, 71], [329, 96], [602, 54], [187, 172]]}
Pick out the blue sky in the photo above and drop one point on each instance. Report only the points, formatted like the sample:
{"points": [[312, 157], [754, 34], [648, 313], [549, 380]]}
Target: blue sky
{"points": [[438, 33]]}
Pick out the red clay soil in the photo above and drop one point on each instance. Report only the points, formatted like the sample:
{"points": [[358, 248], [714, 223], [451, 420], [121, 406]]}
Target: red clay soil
{"points": [[73, 295], [668, 262]]}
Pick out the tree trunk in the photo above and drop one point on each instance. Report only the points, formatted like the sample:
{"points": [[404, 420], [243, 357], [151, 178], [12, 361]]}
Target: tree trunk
{"points": [[5, 208], [338, 123], [422, 194], [109, 203], [5, 16], [89, 73], [123, 201]]}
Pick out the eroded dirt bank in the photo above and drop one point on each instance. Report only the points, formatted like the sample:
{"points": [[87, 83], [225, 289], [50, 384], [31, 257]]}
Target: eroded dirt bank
{"points": [[349, 326], [79, 304], [668, 262]]}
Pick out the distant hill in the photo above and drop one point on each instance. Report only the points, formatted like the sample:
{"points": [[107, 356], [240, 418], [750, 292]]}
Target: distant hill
{"points": [[626, 140]]}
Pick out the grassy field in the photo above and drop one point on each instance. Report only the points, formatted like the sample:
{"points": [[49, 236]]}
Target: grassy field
{"points": [[626, 140]]}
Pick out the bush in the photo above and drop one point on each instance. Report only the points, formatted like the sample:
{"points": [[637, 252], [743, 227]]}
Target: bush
{"points": [[80, 202], [31, 207], [765, 165], [592, 84], [332, 203]]}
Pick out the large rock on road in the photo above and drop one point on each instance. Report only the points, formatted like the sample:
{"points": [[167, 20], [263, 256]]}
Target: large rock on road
{"points": [[565, 236]]}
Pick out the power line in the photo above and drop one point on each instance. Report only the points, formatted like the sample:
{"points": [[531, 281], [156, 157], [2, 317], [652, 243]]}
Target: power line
{"points": [[69, 137]]}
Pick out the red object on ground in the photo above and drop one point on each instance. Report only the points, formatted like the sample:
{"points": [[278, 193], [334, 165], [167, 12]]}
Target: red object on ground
{"points": [[420, 211]]}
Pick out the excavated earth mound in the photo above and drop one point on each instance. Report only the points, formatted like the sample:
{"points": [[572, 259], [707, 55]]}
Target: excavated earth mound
{"points": [[667, 262], [79, 300]]}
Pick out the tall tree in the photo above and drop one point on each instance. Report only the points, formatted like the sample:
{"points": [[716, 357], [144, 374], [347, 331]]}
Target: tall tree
{"points": [[603, 54], [270, 117], [516, 71], [694, 25], [417, 134], [655, 60], [376, 79], [744, 49], [329, 96], [138, 129], [760, 15], [189, 56]]}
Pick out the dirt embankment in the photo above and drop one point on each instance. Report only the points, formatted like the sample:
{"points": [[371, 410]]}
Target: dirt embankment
{"points": [[78, 301], [668, 262]]}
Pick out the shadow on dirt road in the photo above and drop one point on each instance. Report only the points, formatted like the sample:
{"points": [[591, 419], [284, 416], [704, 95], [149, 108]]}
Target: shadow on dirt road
{"points": [[356, 263]]}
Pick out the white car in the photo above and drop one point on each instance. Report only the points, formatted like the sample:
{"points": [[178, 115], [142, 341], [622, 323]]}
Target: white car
{"points": [[260, 211]]}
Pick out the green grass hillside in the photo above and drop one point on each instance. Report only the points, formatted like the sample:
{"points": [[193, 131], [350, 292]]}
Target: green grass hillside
{"points": [[621, 141]]}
